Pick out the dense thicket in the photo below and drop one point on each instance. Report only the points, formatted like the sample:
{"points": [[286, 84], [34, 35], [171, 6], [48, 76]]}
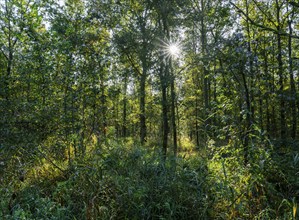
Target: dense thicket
{"points": [[149, 109]]}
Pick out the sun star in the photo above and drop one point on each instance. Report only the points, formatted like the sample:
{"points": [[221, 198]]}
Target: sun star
{"points": [[173, 50]]}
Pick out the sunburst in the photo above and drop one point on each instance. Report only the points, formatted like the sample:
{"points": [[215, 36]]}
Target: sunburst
{"points": [[174, 50], [171, 49]]}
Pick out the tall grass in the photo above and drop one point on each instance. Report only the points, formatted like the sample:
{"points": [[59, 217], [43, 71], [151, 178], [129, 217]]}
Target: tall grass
{"points": [[122, 180]]}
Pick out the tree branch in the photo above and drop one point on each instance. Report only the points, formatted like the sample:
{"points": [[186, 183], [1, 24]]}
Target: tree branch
{"points": [[263, 27], [3, 54], [295, 4], [267, 16], [49, 160], [132, 63]]}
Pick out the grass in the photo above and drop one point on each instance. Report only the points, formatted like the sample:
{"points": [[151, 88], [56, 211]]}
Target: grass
{"points": [[122, 180]]}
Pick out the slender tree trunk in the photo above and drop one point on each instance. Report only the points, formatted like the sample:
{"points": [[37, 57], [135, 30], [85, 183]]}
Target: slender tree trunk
{"points": [[197, 122], [142, 105], [74, 132], [261, 113], [164, 77], [9, 57], [9, 65], [65, 113], [293, 96], [8, 73], [164, 84], [249, 111], [196, 80], [95, 127], [178, 118], [43, 86], [280, 74], [173, 113], [274, 121], [124, 123], [266, 73], [143, 82], [103, 107], [83, 126], [248, 118], [206, 80]]}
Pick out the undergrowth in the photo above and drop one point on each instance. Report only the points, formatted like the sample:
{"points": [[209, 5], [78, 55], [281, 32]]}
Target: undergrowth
{"points": [[122, 180]]}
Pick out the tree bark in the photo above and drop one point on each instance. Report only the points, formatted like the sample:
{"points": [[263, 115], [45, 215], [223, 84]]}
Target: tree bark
{"points": [[143, 81], [124, 123], [293, 96], [165, 131], [280, 74], [142, 103], [206, 80], [173, 112]]}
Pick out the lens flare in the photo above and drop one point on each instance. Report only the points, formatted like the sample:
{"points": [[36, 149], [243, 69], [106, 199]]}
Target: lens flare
{"points": [[174, 50], [171, 49]]}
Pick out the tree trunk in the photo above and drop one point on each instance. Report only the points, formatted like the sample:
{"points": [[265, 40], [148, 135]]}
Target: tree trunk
{"points": [[142, 105], [206, 80], [248, 118], [293, 96], [280, 74], [103, 107], [143, 82], [268, 87], [164, 84], [249, 111], [173, 113], [124, 123]]}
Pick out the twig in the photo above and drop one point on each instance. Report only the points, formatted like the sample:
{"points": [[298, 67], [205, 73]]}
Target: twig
{"points": [[51, 161]]}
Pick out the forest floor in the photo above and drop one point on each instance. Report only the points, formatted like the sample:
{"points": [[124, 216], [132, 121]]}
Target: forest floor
{"points": [[122, 180]]}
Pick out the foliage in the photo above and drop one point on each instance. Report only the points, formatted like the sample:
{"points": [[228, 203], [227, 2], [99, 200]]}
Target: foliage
{"points": [[114, 182], [120, 180], [99, 120]]}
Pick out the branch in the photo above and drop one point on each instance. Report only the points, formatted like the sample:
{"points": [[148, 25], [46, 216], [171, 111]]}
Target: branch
{"points": [[257, 5], [4, 54], [295, 4], [51, 161], [263, 27], [132, 63]]}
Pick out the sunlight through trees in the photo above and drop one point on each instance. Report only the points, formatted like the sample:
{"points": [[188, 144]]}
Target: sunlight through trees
{"points": [[163, 109]]}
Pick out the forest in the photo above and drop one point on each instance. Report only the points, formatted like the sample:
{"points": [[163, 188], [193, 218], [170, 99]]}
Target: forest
{"points": [[149, 109]]}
